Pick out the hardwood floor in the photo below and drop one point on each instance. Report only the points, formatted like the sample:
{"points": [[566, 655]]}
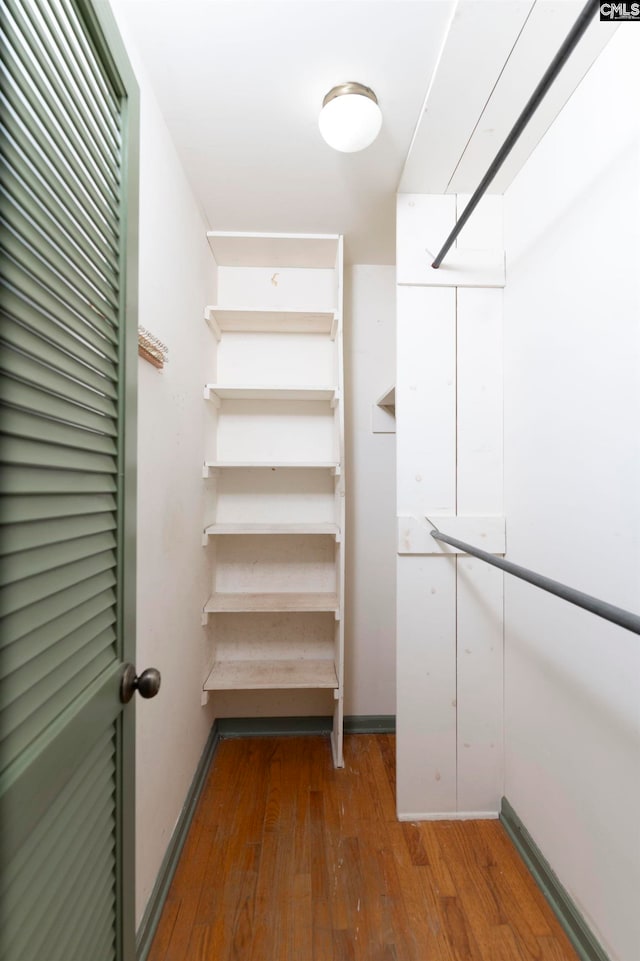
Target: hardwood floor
{"points": [[288, 859]]}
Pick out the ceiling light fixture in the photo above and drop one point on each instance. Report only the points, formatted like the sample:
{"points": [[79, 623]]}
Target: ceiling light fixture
{"points": [[350, 118]]}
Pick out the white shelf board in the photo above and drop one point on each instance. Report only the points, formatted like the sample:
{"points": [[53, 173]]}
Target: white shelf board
{"points": [[273, 465], [270, 603], [271, 675], [252, 320], [233, 249], [331, 529], [246, 392]]}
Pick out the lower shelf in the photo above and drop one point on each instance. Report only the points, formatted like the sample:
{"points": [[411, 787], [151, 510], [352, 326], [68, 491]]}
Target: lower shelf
{"points": [[274, 528], [271, 675], [271, 603]]}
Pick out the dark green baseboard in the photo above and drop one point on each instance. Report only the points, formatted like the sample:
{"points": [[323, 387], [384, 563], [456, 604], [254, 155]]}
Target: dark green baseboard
{"points": [[151, 916], [227, 728], [370, 724], [281, 726], [576, 928]]}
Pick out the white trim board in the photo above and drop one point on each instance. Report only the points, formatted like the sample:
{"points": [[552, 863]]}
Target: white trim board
{"points": [[484, 532], [460, 268], [450, 816]]}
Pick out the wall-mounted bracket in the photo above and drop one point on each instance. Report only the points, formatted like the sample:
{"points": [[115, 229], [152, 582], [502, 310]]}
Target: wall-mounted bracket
{"points": [[209, 316], [383, 413]]}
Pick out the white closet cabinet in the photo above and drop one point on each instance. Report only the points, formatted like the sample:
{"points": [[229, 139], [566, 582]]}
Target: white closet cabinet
{"points": [[274, 467]]}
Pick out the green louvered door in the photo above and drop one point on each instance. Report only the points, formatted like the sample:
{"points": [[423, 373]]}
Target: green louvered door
{"points": [[68, 356]]}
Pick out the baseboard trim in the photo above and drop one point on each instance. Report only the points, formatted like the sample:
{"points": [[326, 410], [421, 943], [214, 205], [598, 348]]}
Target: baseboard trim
{"points": [[300, 726], [370, 724], [155, 905], [586, 945], [273, 726], [449, 816]]}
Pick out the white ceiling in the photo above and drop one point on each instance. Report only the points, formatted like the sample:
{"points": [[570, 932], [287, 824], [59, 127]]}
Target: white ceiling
{"points": [[241, 82]]}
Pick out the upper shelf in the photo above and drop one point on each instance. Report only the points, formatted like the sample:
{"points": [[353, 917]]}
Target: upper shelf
{"points": [[245, 392], [252, 320], [209, 465], [232, 249]]}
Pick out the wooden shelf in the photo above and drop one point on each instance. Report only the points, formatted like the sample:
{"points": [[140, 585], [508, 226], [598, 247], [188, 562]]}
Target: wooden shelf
{"points": [[252, 320], [245, 392], [233, 249], [273, 465], [271, 675], [331, 529], [277, 373], [270, 603]]}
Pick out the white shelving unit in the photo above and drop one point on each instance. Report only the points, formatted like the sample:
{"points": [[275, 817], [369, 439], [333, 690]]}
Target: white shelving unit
{"points": [[273, 462]]}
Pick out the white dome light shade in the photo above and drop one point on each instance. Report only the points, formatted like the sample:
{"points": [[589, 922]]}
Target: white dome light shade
{"points": [[350, 118]]}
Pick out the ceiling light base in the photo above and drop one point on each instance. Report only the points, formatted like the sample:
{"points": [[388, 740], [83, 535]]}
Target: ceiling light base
{"points": [[350, 119]]}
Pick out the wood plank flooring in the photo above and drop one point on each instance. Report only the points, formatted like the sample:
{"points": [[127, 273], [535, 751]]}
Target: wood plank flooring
{"points": [[288, 859]]}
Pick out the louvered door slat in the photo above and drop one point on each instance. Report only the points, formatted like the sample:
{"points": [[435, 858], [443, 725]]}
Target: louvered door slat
{"points": [[28, 270], [94, 154], [26, 424], [56, 531], [21, 365], [71, 937], [22, 359], [33, 453], [43, 883], [30, 716], [17, 626], [29, 91], [99, 938], [40, 313], [29, 322], [103, 151], [16, 480], [36, 205], [32, 247], [51, 187], [31, 509], [98, 102], [77, 864], [32, 590], [45, 663], [80, 59], [70, 627], [47, 239], [68, 123], [31, 399], [28, 563], [23, 96], [82, 939], [20, 875]]}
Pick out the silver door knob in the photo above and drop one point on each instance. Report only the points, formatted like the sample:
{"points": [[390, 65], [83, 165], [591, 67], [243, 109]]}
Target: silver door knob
{"points": [[146, 684]]}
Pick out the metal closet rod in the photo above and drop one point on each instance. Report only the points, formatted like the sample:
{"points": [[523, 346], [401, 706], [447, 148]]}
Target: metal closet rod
{"points": [[617, 615], [533, 103]]}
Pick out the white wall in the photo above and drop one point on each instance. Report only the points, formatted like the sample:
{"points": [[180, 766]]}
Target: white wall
{"points": [[173, 578], [572, 493], [175, 275], [369, 360]]}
